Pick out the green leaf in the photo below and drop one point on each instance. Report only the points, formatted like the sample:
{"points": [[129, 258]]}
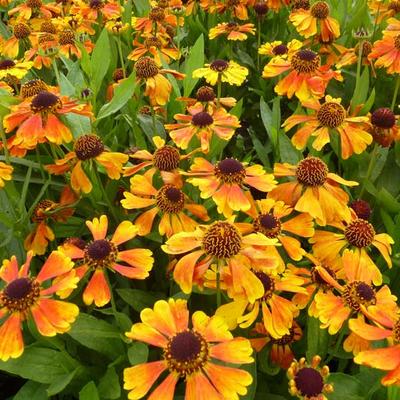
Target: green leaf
{"points": [[345, 387], [138, 353], [288, 153], [317, 339], [194, 61], [369, 103], [61, 383], [266, 116], [251, 390], [139, 299], [264, 362], [122, 94], [89, 392], [109, 385], [386, 200], [146, 123], [100, 61], [361, 89], [32, 391]]}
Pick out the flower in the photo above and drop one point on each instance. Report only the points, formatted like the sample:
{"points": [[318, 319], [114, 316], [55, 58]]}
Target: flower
{"points": [[314, 191], [158, 87], [94, 8], [307, 78], [188, 353], [25, 10], [169, 200], [222, 243], [14, 68], [202, 124], [222, 71], [330, 117], [225, 182], [306, 21], [233, 30], [384, 128], [5, 173], [27, 297], [103, 254], [383, 10], [278, 48], [21, 34], [87, 148], [238, 8], [308, 381]]}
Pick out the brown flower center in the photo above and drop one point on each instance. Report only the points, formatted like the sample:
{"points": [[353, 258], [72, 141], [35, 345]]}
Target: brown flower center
{"points": [[331, 114], [359, 293], [21, 30], [41, 207], [285, 339], [20, 294], [96, 4], [205, 93], [45, 102], [397, 42], [230, 171], [100, 253], [222, 240], [202, 119], [395, 6], [34, 3], [305, 61], [361, 208], [359, 233], [88, 146], [170, 200], [32, 88], [301, 4], [261, 8], [46, 39], [219, 65], [311, 171], [67, 37], [267, 224], [268, 283], [157, 14], [152, 41], [320, 10], [48, 27], [166, 158], [7, 64], [366, 49], [146, 68], [280, 49], [309, 382], [396, 332], [383, 118]]}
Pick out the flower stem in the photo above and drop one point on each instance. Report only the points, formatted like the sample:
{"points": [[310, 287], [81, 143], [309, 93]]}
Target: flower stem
{"points": [[396, 91], [258, 42], [218, 279], [219, 90], [56, 72], [371, 165], [121, 57]]}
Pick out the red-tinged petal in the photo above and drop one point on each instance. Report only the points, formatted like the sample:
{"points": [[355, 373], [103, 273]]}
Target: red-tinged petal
{"points": [[236, 351], [145, 333], [97, 290], [130, 272], [368, 332], [55, 131], [124, 232], [183, 242], [184, 270], [198, 387], [9, 269], [98, 227], [384, 358], [166, 390], [11, 341], [56, 264]]}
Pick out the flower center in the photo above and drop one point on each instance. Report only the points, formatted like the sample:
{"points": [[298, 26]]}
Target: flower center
{"points": [[6, 64], [170, 199], [219, 65], [231, 26], [146, 68], [305, 61], [383, 118], [320, 10], [317, 278], [186, 352], [20, 294], [46, 39], [41, 207], [205, 93], [331, 114], [268, 283], [166, 158], [396, 332], [361, 208], [75, 241], [301, 4], [222, 240], [359, 233], [309, 382], [261, 8], [157, 14], [230, 171], [21, 31], [48, 27], [267, 224], [202, 119], [100, 253], [152, 41], [397, 42], [366, 49], [280, 49], [118, 74], [32, 88], [34, 3], [88, 146], [45, 102], [67, 37], [359, 293], [311, 171], [96, 4], [285, 339], [395, 6]]}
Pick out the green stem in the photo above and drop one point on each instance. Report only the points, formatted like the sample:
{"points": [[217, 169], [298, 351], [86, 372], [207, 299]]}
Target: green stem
{"points": [[376, 22], [153, 118], [258, 42], [396, 91], [371, 165], [55, 68], [337, 345], [121, 57], [218, 279], [219, 90]]}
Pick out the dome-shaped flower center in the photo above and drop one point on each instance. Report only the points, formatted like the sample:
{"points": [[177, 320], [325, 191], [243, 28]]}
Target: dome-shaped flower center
{"points": [[359, 293], [152, 41], [231, 26], [34, 3], [118, 74], [32, 88], [311, 171], [359, 233], [96, 4], [396, 331], [186, 352], [205, 93], [48, 27], [383, 118], [20, 294], [66, 37], [309, 382], [280, 49], [6, 64], [230, 171], [100, 253], [202, 119], [146, 68], [397, 42], [331, 114], [301, 4], [261, 8], [268, 283], [75, 241], [21, 30], [88, 146], [45, 102], [361, 208], [320, 10], [170, 199], [157, 14], [222, 240], [41, 207], [305, 61], [395, 6], [46, 39], [267, 224], [219, 65], [166, 158]]}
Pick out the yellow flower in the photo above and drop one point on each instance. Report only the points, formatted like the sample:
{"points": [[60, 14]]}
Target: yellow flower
{"points": [[14, 68], [5, 173]]}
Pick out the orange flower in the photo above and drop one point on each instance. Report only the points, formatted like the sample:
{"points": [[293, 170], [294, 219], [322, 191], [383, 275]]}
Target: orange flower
{"points": [[221, 243], [25, 10], [67, 44], [102, 254], [277, 5], [170, 201], [307, 22], [238, 8], [359, 234], [315, 190], [384, 130], [225, 182], [307, 77], [382, 10], [350, 56], [203, 124], [330, 117], [233, 30], [92, 10], [29, 298], [88, 148], [156, 21], [278, 48], [158, 87], [21, 34], [188, 352]]}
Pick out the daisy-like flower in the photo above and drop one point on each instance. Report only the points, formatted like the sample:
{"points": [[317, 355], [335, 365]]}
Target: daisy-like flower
{"points": [[189, 352], [103, 254], [277, 5], [42, 51], [225, 182], [170, 201], [67, 44], [26, 297], [156, 21], [315, 190], [5, 173], [328, 118], [94, 8], [278, 48], [222, 243], [158, 87], [281, 353], [37, 119], [308, 381], [21, 34], [26, 10], [87, 148], [350, 56], [14, 68], [356, 295], [382, 10], [307, 78], [384, 129], [358, 234], [238, 8], [317, 18], [202, 124], [222, 71], [232, 30]]}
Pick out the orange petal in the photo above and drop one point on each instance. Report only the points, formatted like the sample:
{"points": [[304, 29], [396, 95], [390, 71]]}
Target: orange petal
{"points": [[56, 264], [165, 391], [98, 227], [198, 387], [124, 232], [97, 290], [184, 270], [236, 351], [11, 342], [79, 180]]}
